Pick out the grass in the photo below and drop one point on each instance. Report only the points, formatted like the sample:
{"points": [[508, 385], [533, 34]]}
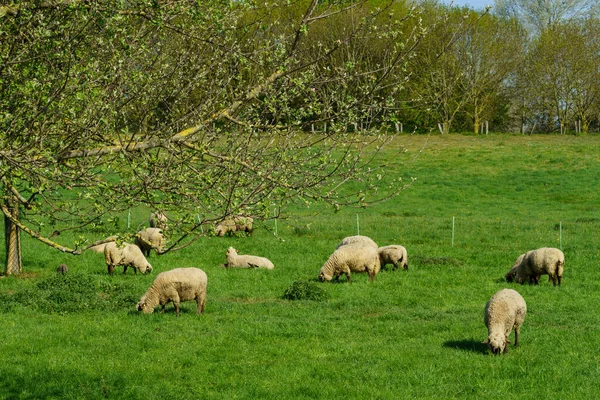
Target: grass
{"points": [[409, 334]]}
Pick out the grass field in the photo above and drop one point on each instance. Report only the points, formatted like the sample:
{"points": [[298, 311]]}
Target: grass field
{"points": [[409, 334]]}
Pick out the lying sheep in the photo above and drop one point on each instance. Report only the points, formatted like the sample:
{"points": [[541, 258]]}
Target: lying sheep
{"points": [[355, 258], [393, 254], [128, 255], [148, 239], [504, 311], [237, 223], [358, 239], [535, 263], [235, 260], [176, 285], [158, 219]]}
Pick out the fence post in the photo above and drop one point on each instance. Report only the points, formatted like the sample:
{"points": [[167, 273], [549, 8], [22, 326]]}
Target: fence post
{"points": [[452, 231], [560, 234], [357, 225]]}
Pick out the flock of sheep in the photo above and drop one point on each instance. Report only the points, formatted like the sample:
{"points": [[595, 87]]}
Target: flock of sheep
{"points": [[504, 311]]}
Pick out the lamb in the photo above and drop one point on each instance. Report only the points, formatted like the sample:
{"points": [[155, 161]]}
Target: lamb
{"points": [[237, 223], [148, 239], [158, 219], [235, 260], [355, 258], [393, 254], [546, 260], [504, 311], [128, 255], [176, 285], [358, 239], [62, 269]]}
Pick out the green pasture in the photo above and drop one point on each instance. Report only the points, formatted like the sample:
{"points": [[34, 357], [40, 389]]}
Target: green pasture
{"points": [[478, 202]]}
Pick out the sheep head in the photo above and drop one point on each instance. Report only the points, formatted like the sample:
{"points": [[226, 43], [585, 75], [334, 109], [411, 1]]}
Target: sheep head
{"points": [[142, 306], [497, 343], [324, 276]]}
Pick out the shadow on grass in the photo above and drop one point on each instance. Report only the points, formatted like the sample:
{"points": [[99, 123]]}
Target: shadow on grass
{"points": [[472, 345]]}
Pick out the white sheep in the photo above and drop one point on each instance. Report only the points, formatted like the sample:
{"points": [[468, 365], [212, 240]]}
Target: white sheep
{"points": [[128, 255], [355, 258], [158, 219], [176, 285], [504, 311], [546, 260], [235, 260], [236, 223], [358, 239], [150, 238], [393, 254]]}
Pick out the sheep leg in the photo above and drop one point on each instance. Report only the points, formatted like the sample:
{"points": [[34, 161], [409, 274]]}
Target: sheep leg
{"points": [[111, 269], [517, 335], [176, 304], [348, 277], [201, 299], [371, 275], [124, 269], [559, 278]]}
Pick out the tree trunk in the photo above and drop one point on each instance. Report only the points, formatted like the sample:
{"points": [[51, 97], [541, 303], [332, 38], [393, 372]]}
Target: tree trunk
{"points": [[12, 235]]}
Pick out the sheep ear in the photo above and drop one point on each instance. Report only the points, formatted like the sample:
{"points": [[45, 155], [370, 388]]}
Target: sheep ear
{"points": [[486, 341], [508, 341]]}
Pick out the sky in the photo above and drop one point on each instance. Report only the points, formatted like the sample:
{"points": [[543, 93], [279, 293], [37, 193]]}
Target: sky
{"points": [[475, 4]]}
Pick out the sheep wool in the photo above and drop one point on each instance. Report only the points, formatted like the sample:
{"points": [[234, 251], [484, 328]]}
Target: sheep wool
{"points": [[544, 261], [235, 260], [62, 269], [150, 238], [504, 311], [358, 239], [128, 255], [351, 258], [176, 285], [393, 254]]}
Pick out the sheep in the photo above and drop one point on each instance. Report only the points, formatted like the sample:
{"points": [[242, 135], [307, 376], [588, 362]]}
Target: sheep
{"points": [[546, 260], [355, 258], [393, 254], [148, 239], [237, 223], [128, 255], [176, 285], [235, 260], [504, 311], [62, 269], [158, 219], [358, 239]]}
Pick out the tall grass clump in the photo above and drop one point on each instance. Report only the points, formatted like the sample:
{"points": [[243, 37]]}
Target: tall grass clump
{"points": [[304, 290]]}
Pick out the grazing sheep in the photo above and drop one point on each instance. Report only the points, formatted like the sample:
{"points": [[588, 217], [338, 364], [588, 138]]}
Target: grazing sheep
{"points": [[355, 258], [546, 260], [504, 311], [393, 254], [158, 219], [235, 260], [358, 239], [148, 239], [237, 223], [176, 285], [62, 269], [128, 255]]}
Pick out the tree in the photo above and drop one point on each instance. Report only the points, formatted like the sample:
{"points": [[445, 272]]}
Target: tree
{"points": [[538, 15], [193, 108]]}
